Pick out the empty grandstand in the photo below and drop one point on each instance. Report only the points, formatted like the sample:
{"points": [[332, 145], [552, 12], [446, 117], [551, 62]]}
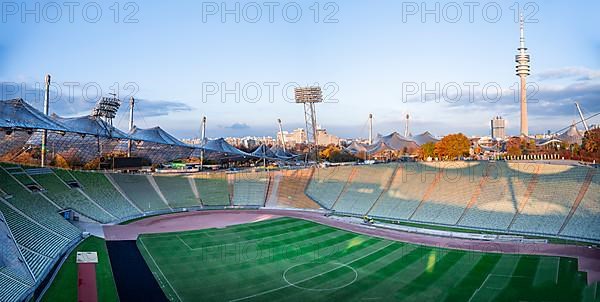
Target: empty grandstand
{"points": [[140, 191], [362, 191], [178, 191], [250, 188], [213, 189], [287, 190], [101, 190], [327, 184]]}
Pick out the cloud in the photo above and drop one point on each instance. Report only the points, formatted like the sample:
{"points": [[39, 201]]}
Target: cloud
{"points": [[577, 73], [238, 126], [67, 102]]}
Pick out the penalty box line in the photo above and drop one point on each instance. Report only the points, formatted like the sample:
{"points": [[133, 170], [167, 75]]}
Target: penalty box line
{"points": [[159, 270], [237, 242], [310, 278]]}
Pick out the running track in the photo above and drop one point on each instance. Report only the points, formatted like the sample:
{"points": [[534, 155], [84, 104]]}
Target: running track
{"points": [[588, 258]]}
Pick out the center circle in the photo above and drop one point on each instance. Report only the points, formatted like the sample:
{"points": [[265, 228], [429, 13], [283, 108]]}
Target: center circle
{"points": [[309, 271]]}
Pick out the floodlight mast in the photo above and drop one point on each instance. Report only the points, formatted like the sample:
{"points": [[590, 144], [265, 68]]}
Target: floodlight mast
{"points": [[309, 96], [46, 107]]}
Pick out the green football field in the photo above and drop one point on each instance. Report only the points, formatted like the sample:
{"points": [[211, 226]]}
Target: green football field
{"points": [[288, 259]]}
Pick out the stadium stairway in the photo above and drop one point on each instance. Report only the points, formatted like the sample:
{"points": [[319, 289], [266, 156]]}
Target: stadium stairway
{"points": [[582, 192]]}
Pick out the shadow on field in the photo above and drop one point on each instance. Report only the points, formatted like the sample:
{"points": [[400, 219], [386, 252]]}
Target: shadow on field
{"points": [[134, 279]]}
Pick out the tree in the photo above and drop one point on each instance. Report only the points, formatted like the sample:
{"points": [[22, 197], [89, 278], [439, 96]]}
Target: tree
{"points": [[453, 146], [427, 150], [60, 162], [513, 147], [591, 142]]}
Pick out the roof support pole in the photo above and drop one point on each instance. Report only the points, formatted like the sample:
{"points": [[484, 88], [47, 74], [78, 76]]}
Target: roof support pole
{"points": [[585, 125], [202, 137], [46, 107], [281, 133], [370, 128], [131, 105]]}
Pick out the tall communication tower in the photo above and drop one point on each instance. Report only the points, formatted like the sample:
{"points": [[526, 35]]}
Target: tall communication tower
{"points": [[522, 59], [309, 96]]}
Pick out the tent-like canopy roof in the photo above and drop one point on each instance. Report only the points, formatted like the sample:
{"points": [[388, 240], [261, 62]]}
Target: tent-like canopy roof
{"points": [[424, 138], [155, 135], [17, 114], [221, 146], [89, 125], [263, 151], [571, 136], [379, 147], [356, 147], [397, 142], [283, 154]]}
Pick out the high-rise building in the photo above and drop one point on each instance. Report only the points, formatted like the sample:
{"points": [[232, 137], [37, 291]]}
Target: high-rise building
{"points": [[522, 59], [498, 127]]}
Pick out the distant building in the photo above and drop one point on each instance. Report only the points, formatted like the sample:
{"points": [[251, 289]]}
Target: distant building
{"points": [[298, 136], [498, 125]]}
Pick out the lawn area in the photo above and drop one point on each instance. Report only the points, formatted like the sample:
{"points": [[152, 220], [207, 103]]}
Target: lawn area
{"points": [[288, 259], [64, 287]]}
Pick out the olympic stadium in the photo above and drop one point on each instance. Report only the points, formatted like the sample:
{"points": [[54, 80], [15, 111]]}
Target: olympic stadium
{"points": [[447, 230], [94, 210]]}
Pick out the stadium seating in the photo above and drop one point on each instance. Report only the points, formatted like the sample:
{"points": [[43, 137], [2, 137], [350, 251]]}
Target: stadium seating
{"points": [[99, 188], [364, 188], [550, 200], [250, 188], [139, 190], [405, 192], [585, 222], [10, 289], [37, 262], [178, 191], [31, 235], [65, 175], [290, 190], [35, 206], [502, 194], [448, 198], [327, 184], [70, 198], [213, 189]]}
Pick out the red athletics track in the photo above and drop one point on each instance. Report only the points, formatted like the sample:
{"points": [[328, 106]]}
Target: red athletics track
{"points": [[588, 258], [86, 284]]}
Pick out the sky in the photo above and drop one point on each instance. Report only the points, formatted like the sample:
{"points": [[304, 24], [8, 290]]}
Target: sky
{"points": [[449, 65]]}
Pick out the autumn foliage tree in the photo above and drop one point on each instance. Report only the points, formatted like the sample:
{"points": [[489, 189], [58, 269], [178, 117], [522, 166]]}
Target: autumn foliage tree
{"points": [[513, 147], [453, 146], [427, 150], [591, 144]]}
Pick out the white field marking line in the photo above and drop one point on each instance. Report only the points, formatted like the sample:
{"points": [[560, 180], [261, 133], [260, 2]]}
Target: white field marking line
{"points": [[309, 278], [320, 289], [158, 267], [494, 288], [237, 242], [478, 289]]}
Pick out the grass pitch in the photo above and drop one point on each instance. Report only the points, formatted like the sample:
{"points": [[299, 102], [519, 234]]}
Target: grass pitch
{"points": [[64, 287], [288, 259]]}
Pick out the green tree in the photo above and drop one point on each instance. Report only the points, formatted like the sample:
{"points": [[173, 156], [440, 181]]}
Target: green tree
{"points": [[427, 150]]}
